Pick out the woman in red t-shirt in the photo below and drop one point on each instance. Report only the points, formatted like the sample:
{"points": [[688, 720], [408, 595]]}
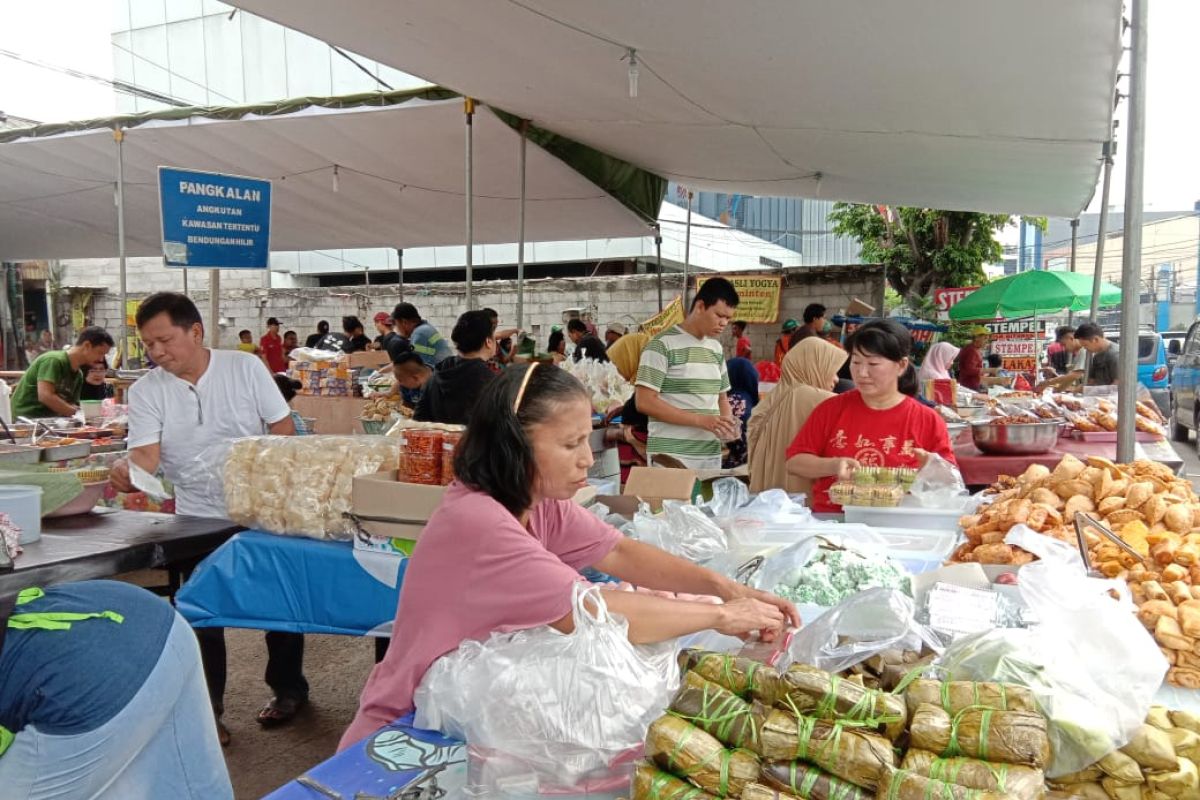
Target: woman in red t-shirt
{"points": [[877, 424]]}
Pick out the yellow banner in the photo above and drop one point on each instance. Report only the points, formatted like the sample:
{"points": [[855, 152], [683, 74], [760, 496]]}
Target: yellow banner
{"points": [[759, 295], [133, 344], [671, 315]]}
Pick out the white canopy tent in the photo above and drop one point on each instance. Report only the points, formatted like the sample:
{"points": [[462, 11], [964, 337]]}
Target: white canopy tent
{"points": [[400, 180], [971, 105]]}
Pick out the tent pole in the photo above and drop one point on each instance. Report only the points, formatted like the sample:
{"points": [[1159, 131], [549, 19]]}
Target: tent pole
{"points": [[469, 110], [119, 137], [185, 276], [687, 254], [1102, 233], [366, 275], [214, 309], [400, 272], [1074, 247], [658, 262], [521, 232], [1131, 257]]}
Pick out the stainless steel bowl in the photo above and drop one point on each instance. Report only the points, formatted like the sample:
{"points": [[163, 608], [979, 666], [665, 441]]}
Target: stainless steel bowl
{"points": [[1015, 440]]}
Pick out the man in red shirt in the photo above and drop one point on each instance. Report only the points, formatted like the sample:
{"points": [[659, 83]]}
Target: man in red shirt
{"points": [[741, 342], [271, 345], [970, 360]]}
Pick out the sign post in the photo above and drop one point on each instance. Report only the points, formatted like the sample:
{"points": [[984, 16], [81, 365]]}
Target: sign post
{"points": [[214, 221]]}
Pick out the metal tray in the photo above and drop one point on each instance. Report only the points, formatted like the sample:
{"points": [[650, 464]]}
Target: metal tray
{"points": [[67, 452], [108, 446], [19, 454]]}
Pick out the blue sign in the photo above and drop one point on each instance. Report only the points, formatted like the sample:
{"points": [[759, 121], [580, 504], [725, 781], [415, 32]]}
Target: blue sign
{"points": [[212, 221]]}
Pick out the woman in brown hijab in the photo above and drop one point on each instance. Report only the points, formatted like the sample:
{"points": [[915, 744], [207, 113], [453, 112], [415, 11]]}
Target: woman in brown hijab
{"points": [[809, 375]]}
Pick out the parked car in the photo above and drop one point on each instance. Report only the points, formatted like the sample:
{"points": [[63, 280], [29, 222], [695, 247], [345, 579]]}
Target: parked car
{"points": [[1174, 342], [1153, 372], [1185, 377]]}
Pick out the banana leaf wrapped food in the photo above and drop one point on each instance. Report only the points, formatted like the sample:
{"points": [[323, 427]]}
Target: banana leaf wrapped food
{"points": [[812, 692], [1010, 737], [842, 749], [683, 749], [758, 791], [807, 782], [953, 696], [716, 711], [1023, 783], [651, 783], [903, 784], [746, 678]]}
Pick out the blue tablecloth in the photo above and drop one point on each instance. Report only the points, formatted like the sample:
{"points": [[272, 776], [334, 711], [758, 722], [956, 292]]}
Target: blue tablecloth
{"points": [[287, 583]]}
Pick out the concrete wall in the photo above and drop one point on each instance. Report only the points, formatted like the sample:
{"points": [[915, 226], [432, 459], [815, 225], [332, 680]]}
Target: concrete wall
{"points": [[147, 275], [627, 299]]}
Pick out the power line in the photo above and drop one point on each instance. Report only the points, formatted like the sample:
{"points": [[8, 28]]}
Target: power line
{"points": [[120, 86]]}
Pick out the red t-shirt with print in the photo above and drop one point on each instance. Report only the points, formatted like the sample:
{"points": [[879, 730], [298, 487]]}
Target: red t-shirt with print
{"points": [[845, 427], [272, 348]]}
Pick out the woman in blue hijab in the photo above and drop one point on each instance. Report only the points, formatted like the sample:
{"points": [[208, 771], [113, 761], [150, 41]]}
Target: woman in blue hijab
{"points": [[743, 397]]}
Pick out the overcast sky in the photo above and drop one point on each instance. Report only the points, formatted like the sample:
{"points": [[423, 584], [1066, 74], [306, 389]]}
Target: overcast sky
{"points": [[75, 33]]}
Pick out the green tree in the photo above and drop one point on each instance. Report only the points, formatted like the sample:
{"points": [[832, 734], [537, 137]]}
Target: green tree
{"points": [[922, 249]]}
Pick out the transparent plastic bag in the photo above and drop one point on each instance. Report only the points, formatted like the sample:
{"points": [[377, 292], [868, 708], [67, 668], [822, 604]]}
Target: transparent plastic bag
{"points": [[548, 711], [729, 494], [682, 529], [1091, 665], [859, 627], [939, 484], [291, 485]]}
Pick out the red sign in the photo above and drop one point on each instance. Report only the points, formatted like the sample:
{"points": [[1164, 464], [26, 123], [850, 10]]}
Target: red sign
{"points": [[945, 299]]}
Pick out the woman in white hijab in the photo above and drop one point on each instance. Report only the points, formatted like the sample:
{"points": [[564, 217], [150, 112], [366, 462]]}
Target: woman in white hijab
{"points": [[936, 365], [809, 374]]}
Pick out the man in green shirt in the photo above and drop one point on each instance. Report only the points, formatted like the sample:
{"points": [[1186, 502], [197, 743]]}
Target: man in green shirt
{"points": [[52, 384]]}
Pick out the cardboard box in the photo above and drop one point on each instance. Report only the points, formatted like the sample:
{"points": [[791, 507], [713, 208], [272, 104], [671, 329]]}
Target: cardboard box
{"points": [[387, 508], [652, 485], [369, 358], [389, 545], [857, 308]]}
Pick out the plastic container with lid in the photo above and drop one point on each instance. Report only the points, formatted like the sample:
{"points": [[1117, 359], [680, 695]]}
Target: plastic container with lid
{"points": [[23, 505]]}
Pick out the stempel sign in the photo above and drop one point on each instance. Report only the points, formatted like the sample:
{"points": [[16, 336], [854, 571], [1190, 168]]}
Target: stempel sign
{"points": [[946, 299], [210, 220], [1018, 343]]}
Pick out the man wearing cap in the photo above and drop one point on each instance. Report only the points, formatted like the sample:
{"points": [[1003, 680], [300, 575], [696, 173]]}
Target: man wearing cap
{"points": [[383, 325], [970, 360], [271, 345], [614, 331], [783, 342]]}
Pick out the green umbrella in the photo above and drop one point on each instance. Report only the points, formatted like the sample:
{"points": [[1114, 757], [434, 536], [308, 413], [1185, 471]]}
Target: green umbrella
{"points": [[1034, 293]]}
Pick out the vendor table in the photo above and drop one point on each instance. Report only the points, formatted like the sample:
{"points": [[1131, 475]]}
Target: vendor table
{"points": [[108, 542], [334, 415], [981, 469], [288, 583]]}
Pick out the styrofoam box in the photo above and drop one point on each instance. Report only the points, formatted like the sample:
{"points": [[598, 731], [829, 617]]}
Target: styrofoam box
{"points": [[906, 515]]}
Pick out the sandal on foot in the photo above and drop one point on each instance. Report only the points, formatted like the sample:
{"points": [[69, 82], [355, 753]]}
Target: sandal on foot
{"points": [[280, 711]]}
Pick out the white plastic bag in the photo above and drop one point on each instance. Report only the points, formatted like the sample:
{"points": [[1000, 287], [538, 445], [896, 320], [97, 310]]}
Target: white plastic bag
{"points": [[1091, 665], [859, 627], [939, 484], [551, 711], [682, 529], [729, 494]]}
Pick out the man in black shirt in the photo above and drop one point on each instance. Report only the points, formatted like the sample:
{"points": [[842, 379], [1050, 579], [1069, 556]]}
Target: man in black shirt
{"points": [[383, 324], [586, 343], [357, 340], [453, 389], [315, 338]]}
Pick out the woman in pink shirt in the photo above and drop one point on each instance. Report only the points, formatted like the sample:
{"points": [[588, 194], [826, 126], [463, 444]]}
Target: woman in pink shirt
{"points": [[504, 549]]}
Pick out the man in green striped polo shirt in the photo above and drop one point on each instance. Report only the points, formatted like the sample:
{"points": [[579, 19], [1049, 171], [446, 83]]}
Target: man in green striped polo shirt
{"points": [[682, 383]]}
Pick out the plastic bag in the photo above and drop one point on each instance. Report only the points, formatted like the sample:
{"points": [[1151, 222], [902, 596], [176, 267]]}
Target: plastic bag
{"points": [[547, 711], [939, 484], [729, 494], [682, 529], [1091, 665], [770, 512], [858, 628], [291, 485]]}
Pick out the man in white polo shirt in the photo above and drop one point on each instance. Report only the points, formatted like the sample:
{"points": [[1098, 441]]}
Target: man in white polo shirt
{"points": [[196, 398]]}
